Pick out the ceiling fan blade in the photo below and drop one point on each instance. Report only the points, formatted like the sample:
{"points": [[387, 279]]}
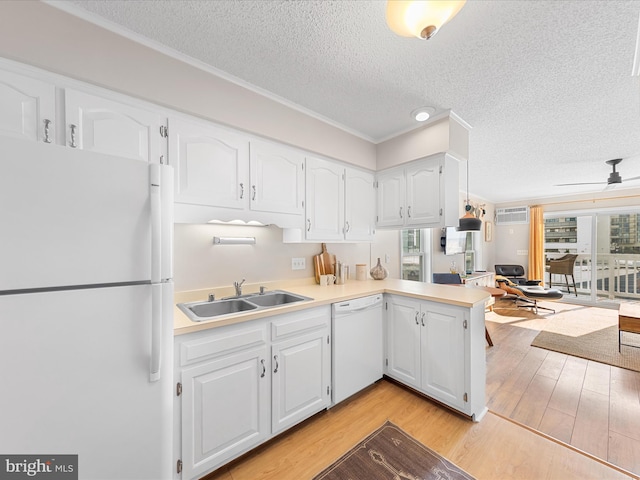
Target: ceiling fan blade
{"points": [[630, 179], [610, 186], [582, 183]]}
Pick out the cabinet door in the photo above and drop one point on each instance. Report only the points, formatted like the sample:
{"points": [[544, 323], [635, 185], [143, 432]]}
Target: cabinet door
{"points": [[443, 353], [301, 375], [324, 204], [106, 126], [423, 193], [225, 410], [360, 206], [403, 341], [211, 164], [390, 199], [277, 181], [26, 105]]}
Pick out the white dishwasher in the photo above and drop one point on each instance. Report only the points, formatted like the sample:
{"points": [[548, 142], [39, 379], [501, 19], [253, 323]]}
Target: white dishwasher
{"points": [[357, 345]]}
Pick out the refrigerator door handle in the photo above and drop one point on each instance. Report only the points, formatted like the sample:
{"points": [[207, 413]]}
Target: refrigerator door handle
{"points": [[156, 332], [156, 222]]}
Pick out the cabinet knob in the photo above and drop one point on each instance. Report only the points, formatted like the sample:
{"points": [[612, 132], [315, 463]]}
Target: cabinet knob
{"points": [[253, 187], [275, 359], [264, 368], [417, 313], [422, 318], [409, 211], [401, 213], [308, 224], [241, 191]]}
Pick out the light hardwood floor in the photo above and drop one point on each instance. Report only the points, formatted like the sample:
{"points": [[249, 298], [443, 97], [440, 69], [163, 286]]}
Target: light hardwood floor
{"points": [[591, 406], [495, 448]]}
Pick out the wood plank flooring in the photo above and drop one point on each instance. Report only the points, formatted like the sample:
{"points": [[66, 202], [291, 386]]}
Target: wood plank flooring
{"points": [[535, 397], [495, 448], [589, 405]]}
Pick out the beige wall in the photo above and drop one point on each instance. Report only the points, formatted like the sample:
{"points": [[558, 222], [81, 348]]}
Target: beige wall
{"points": [[198, 264], [40, 35], [433, 138]]}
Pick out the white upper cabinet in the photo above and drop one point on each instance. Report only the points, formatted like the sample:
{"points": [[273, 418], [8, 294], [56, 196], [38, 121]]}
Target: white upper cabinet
{"points": [[423, 194], [360, 205], [324, 203], [420, 194], [339, 203], [277, 178], [211, 164], [391, 198], [106, 126], [28, 108]]}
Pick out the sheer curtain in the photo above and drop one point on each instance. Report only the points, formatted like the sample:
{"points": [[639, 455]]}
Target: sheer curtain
{"points": [[536, 243]]}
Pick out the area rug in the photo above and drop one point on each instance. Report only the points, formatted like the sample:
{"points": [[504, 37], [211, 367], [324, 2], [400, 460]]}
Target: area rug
{"points": [[391, 454], [600, 346]]}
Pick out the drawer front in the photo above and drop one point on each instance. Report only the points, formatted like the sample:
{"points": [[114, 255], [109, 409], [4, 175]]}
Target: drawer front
{"points": [[222, 341], [298, 322]]}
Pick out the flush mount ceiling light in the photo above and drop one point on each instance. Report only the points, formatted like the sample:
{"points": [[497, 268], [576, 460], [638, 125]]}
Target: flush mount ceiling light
{"points": [[422, 114], [422, 19]]}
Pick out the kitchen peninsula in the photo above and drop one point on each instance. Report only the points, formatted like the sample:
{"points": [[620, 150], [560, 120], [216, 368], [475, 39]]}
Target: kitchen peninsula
{"points": [[245, 377]]}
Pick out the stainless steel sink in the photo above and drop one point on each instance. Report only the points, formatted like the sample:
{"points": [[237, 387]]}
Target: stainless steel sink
{"points": [[275, 298], [200, 311]]}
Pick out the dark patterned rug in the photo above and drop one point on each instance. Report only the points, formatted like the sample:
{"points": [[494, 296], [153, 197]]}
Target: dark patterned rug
{"points": [[391, 454]]}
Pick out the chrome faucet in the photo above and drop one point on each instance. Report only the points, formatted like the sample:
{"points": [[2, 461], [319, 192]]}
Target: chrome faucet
{"points": [[238, 287]]}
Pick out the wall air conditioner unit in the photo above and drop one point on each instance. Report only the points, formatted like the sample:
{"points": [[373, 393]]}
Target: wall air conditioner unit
{"points": [[512, 215]]}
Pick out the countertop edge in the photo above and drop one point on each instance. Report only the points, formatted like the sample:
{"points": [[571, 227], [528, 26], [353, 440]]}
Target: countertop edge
{"points": [[451, 295]]}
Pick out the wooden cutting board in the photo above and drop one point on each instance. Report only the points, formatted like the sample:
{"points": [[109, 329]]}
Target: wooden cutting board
{"points": [[324, 263], [328, 260], [317, 266]]}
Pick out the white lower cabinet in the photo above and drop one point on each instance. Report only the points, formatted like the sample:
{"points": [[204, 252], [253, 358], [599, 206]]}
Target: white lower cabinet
{"points": [[239, 385], [438, 349], [301, 366]]}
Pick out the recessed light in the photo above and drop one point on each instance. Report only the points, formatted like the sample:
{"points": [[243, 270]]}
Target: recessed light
{"points": [[422, 114]]}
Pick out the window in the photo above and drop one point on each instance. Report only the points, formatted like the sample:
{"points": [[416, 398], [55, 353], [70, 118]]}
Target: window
{"points": [[415, 245]]}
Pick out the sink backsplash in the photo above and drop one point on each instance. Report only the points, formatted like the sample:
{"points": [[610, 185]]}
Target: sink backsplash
{"points": [[198, 264]]}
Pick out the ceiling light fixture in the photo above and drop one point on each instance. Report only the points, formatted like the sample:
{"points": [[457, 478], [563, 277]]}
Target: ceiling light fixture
{"points": [[468, 222], [422, 114], [422, 19]]}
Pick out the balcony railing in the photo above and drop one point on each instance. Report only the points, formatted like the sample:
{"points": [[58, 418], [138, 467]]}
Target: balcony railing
{"points": [[617, 275]]}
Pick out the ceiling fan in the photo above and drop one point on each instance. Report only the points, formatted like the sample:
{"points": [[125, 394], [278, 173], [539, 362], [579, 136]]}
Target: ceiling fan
{"points": [[613, 180]]}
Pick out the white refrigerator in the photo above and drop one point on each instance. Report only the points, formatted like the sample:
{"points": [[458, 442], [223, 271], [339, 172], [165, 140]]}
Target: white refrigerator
{"points": [[86, 305]]}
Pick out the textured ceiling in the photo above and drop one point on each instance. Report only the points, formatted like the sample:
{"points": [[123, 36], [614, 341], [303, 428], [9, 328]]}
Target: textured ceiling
{"points": [[546, 85]]}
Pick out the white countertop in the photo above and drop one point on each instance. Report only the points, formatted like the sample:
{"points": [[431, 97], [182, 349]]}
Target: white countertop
{"points": [[448, 294]]}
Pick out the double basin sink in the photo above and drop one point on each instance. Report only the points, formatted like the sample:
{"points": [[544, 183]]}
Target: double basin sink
{"points": [[201, 311]]}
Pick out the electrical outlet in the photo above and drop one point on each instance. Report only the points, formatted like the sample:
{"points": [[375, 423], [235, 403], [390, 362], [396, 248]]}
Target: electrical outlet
{"points": [[522, 252], [298, 263], [386, 258]]}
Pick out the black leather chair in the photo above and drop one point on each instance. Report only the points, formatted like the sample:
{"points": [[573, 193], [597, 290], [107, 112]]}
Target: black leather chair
{"points": [[515, 273]]}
